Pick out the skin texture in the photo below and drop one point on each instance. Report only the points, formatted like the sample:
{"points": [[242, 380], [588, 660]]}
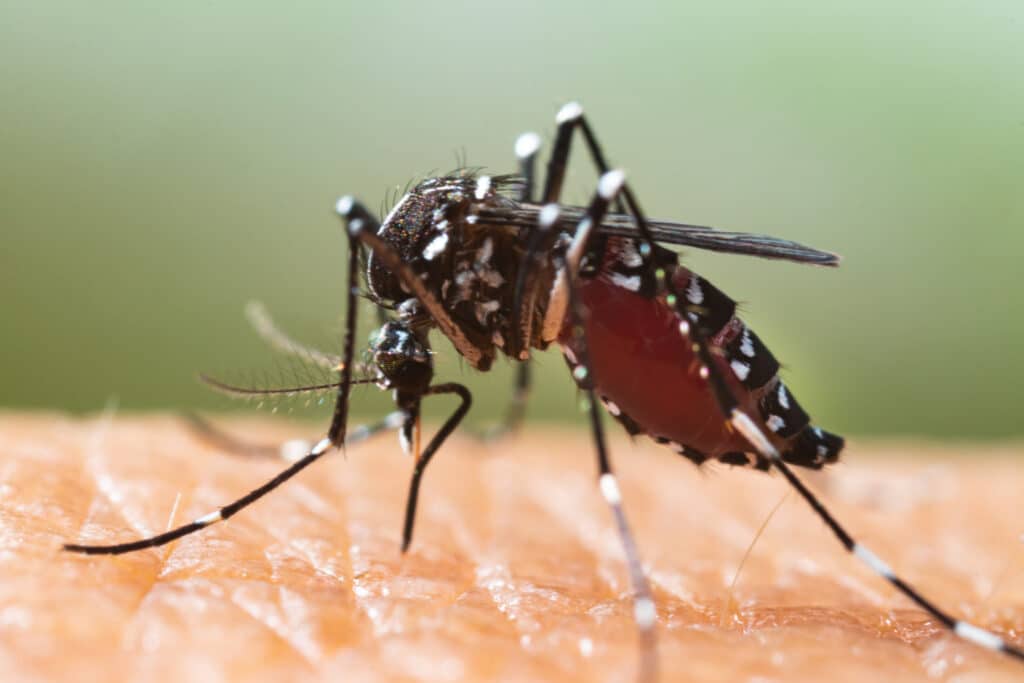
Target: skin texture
{"points": [[515, 573]]}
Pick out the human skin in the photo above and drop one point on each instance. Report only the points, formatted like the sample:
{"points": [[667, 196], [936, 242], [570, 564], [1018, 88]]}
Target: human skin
{"points": [[514, 574]]}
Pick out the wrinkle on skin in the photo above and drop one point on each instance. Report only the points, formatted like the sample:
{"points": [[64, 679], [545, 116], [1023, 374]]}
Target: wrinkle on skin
{"points": [[515, 572]]}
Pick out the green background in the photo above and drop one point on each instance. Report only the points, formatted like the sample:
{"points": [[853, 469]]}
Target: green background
{"points": [[163, 163]]}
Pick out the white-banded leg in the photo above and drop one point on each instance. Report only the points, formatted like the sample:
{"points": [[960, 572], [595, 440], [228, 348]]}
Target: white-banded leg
{"points": [[392, 421], [756, 437], [358, 219], [569, 119], [644, 610], [291, 450]]}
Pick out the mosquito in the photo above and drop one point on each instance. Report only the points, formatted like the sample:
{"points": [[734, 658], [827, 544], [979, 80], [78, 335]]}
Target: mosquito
{"points": [[499, 268]]}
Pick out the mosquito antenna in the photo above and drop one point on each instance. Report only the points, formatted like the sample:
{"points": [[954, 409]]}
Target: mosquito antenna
{"points": [[232, 390], [265, 327]]}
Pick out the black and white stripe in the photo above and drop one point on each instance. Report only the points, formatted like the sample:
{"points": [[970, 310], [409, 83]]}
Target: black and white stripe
{"points": [[707, 305], [392, 421], [750, 360], [748, 428]]}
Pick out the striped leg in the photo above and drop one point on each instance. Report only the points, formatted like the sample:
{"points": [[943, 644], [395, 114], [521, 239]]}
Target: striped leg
{"points": [[743, 424], [358, 219], [569, 118], [392, 421], [644, 610], [747, 427], [756, 437], [289, 451]]}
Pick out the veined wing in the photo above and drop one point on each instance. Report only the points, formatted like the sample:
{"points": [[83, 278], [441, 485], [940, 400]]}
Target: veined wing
{"points": [[671, 232]]}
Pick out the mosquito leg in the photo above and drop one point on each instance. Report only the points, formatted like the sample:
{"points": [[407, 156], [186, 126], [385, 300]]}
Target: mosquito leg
{"points": [[335, 434], [216, 437], [212, 518], [424, 458], [264, 325], [527, 146], [644, 611], [541, 242], [357, 435], [289, 451], [746, 426]]}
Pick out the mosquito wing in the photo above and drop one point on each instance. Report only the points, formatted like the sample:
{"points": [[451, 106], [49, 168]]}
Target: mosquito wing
{"points": [[670, 232], [710, 239]]}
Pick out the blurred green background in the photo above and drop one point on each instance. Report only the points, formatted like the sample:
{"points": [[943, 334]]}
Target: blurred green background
{"points": [[163, 163]]}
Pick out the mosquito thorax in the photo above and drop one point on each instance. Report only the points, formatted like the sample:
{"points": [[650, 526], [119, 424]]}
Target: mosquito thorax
{"points": [[451, 232], [419, 227]]}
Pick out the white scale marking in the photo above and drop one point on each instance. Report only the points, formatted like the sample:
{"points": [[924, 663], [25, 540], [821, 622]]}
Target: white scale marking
{"points": [[485, 252], [740, 369], [630, 282], [548, 215], [344, 205], [406, 444], [211, 518], [610, 489], [783, 397], [610, 184], [436, 246], [747, 344], [979, 636], [872, 560], [645, 613], [483, 186], [693, 291], [527, 145], [569, 112], [745, 426]]}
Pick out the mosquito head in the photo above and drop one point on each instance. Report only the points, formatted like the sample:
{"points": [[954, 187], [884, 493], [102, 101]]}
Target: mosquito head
{"points": [[402, 359]]}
